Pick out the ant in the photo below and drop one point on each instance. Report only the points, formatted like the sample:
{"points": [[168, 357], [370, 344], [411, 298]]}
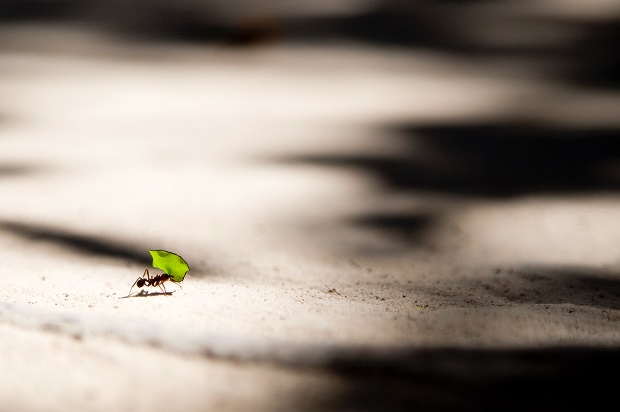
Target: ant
{"points": [[147, 280]]}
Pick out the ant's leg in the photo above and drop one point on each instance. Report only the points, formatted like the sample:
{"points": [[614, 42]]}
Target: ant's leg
{"points": [[148, 279], [163, 287], [134, 284], [145, 278], [178, 284]]}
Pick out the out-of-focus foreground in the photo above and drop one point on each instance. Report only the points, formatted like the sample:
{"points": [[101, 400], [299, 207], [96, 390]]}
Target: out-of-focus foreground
{"points": [[385, 205]]}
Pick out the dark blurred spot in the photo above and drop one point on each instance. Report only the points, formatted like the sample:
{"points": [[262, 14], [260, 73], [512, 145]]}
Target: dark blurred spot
{"points": [[405, 227], [240, 33], [17, 170], [187, 25], [257, 31]]}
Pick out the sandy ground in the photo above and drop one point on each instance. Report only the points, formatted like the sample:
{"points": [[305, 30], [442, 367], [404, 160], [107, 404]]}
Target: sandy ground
{"points": [[320, 279]]}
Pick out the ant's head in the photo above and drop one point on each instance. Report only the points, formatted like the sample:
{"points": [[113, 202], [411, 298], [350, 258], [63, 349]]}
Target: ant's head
{"points": [[141, 283]]}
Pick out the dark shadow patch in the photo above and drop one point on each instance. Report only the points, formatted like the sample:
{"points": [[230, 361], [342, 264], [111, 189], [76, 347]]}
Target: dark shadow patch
{"points": [[243, 32], [587, 287], [453, 379], [453, 28], [85, 244], [507, 159], [595, 55], [15, 170], [39, 10], [490, 160], [576, 49], [401, 226], [556, 285]]}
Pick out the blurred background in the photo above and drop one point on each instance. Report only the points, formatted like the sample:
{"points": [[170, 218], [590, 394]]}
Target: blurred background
{"points": [[472, 100], [553, 63]]}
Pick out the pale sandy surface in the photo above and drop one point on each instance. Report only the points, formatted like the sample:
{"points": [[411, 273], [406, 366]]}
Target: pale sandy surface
{"points": [[309, 285]]}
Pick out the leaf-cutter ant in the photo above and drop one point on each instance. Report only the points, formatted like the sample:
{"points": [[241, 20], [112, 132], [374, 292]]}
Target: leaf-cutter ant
{"points": [[147, 280]]}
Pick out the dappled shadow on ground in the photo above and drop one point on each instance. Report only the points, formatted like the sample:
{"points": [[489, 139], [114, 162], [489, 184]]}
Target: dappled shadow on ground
{"points": [[453, 379]]}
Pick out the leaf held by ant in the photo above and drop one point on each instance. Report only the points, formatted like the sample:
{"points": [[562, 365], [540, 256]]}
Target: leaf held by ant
{"points": [[171, 263]]}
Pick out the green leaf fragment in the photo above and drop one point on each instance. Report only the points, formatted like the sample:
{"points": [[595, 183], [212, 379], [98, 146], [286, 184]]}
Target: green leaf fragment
{"points": [[171, 263]]}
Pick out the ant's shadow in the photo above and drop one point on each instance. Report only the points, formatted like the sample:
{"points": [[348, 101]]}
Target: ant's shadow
{"points": [[145, 294]]}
